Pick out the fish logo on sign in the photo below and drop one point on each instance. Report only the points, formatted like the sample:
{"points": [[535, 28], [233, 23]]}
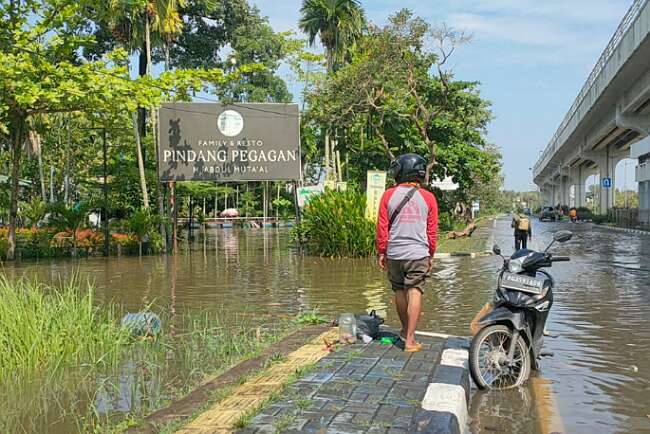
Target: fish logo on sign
{"points": [[230, 123]]}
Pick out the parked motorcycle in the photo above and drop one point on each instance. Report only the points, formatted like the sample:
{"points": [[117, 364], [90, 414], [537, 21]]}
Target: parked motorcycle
{"points": [[510, 337]]}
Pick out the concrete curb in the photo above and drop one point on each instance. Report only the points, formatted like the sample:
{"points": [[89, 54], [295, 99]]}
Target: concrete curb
{"points": [[463, 254], [444, 406], [628, 230]]}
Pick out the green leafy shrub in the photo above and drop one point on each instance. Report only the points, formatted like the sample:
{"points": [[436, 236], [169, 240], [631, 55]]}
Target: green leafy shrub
{"points": [[334, 224], [601, 219], [584, 213], [33, 211], [284, 207], [447, 223], [142, 226], [311, 318], [70, 218], [30, 242]]}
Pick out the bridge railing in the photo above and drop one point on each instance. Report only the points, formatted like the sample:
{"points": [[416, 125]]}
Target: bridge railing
{"points": [[614, 42]]}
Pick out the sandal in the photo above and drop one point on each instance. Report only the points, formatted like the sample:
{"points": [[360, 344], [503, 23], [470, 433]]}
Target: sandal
{"points": [[414, 349]]}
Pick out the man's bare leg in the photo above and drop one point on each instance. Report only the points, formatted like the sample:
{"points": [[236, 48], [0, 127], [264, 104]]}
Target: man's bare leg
{"points": [[413, 315], [401, 304]]}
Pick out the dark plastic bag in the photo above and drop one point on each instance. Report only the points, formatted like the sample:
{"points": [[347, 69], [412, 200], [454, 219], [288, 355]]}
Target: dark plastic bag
{"points": [[368, 324]]}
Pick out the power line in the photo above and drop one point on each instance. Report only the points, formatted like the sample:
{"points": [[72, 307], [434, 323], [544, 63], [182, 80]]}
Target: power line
{"points": [[226, 105]]}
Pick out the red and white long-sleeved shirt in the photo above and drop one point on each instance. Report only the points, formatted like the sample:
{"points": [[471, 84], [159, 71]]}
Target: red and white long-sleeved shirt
{"points": [[414, 232]]}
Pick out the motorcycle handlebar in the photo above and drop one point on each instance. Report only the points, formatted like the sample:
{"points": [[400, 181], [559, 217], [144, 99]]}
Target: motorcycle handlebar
{"points": [[560, 259]]}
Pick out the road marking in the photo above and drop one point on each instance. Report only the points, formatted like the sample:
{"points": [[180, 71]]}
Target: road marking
{"points": [[447, 398], [432, 334], [549, 418]]}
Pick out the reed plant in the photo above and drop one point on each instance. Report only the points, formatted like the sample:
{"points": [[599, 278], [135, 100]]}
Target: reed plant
{"points": [[44, 328], [334, 224]]}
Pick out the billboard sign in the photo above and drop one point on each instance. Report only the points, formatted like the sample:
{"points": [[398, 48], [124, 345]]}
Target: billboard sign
{"points": [[376, 185], [305, 194], [229, 142]]}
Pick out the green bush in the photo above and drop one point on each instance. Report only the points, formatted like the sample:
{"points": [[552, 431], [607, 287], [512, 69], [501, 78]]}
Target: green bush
{"points": [[601, 219], [143, 226], [334, 224], [584, 213], [30, 243], [447, 223]]}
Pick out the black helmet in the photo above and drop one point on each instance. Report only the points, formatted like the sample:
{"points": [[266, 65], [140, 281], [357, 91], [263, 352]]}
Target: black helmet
{"points": [[408, 167]]}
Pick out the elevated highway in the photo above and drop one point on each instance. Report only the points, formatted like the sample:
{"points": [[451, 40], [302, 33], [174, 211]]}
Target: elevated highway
{"points": [[608, 121]]}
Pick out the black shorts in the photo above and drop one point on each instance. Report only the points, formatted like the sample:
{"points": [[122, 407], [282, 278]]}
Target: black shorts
{"points": [[407, 274]]}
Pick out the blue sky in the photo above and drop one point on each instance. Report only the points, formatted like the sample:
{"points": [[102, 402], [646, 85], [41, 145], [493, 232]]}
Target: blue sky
{"points": [[531, 57]]}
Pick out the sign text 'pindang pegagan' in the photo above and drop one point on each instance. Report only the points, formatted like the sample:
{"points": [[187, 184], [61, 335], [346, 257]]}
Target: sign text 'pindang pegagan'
{"points": [[229, 142]]}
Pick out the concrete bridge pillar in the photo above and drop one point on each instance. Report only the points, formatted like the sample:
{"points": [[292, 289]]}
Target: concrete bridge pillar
{"points": [[580, 192], [603, 161], [547, 194], [563, 190], [607, 167], [573, 182]]}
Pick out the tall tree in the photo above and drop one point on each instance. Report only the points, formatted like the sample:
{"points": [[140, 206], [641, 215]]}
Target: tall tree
{"points": [[138, 27], [396, 95], [339, 24], [228, 33], [39, 75]]}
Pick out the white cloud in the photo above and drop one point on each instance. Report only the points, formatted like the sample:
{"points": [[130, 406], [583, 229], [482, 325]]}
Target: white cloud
{"points": [[583, 11], [519, 30]]}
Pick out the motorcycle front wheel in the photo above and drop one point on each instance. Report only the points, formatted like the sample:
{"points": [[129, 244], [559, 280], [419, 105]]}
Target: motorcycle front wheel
{"points": [[488, 362]]}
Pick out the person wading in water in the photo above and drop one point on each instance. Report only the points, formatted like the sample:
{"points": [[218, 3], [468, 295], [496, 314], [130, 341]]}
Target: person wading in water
{"points": [[523, 231], [407, 230]]}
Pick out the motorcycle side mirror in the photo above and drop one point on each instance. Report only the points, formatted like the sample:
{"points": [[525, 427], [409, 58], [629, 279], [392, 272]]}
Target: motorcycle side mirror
{"points": [[562, 236], [496, 250]]}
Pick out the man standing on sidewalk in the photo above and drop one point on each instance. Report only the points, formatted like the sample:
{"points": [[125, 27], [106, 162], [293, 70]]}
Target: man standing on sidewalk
{"points": [[407, 230]]}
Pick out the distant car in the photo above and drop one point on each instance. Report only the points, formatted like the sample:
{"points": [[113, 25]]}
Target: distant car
{"points": [[547, 213]]}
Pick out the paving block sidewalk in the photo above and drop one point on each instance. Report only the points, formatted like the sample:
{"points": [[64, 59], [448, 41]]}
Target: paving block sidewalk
{"points": [[371, 388]]}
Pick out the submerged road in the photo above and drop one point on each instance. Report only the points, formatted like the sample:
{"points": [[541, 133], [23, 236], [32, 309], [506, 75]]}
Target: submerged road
{"points": [[599, 377], [597, 382]]}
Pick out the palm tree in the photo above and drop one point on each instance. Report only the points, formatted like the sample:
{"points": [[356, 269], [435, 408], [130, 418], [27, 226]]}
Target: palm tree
{"points": [[339, 23], [70, 218], [138, 29], [34, 211]]}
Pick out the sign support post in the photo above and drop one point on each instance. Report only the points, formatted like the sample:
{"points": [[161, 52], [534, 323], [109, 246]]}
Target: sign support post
{"points": [[172, 201], [297, 210]]}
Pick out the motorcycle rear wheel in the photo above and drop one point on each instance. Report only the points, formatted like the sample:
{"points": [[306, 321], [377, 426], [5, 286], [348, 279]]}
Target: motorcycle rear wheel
{"points": [[487, 359]]}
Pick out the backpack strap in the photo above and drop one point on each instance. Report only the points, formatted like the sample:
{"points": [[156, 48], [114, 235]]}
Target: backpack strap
{"points": [[402, 204]]}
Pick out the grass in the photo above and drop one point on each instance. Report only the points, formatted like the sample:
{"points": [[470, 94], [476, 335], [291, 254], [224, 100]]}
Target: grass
{"points": [[311, 318], [59, 346], [284, 422], [476, 243], [45, 328]]}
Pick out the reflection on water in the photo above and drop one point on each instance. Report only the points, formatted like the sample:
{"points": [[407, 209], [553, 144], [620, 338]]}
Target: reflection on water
{"points": [[600, 374]]}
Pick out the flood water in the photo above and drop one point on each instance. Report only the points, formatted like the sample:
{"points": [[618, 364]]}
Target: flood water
{"points": [[600, 373]]}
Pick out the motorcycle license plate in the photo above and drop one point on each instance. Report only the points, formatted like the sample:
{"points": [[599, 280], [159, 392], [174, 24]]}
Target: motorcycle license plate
{"points": [[518, 282]]}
